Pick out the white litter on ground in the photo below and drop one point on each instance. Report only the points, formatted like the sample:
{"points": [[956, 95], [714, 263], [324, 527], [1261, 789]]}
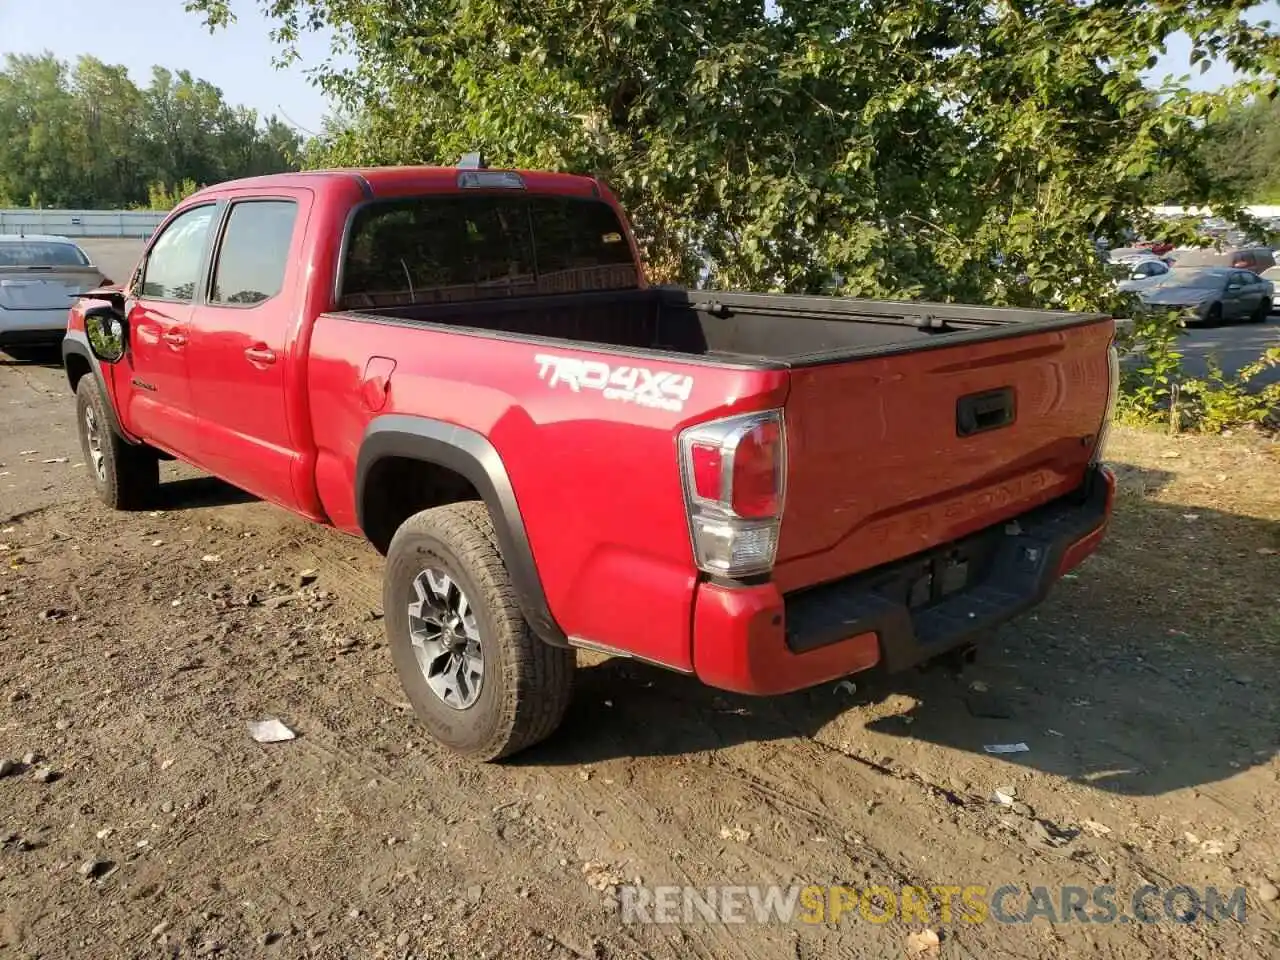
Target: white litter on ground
{"points": [[270, 730], [1006, 748]]}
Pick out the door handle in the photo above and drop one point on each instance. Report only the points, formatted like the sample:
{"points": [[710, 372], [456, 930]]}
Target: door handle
{"points": [[260, 354], [174, 338], [979, 412]]}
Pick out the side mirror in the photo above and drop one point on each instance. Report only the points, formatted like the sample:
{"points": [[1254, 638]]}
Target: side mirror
{"points": [[105, 327]]}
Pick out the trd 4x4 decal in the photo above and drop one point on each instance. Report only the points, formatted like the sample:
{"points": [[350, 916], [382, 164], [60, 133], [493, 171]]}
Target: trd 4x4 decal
{"points": [[648, 388]]}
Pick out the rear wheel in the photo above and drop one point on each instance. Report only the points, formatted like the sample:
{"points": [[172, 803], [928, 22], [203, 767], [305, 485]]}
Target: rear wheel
{"points": [[125, 475], [1262, 312], [479, 679]]}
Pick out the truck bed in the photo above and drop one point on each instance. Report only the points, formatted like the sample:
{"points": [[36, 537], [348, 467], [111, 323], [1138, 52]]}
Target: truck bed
{"points": [[756, 329]]}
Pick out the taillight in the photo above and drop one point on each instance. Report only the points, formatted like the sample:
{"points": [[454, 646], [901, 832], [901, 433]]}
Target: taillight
{"points": [[705, 469], [755, 479], [734, 473], [1113, 394]]}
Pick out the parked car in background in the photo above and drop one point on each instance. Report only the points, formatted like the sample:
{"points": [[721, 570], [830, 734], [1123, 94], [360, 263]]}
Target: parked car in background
{"points": [[1137, 273], [1272, 276], [1256, 259], [1212, 295], [39, 276], [1139, 253]]}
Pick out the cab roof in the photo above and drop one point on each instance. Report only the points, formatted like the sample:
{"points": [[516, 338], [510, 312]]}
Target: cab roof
{"points": [[374, 182]]}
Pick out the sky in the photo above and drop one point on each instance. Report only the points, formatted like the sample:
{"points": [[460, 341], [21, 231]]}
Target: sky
{"points": [[140, 33], [239, 58]]}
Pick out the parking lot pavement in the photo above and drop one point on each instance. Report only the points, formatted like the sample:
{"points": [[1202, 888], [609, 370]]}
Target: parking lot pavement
{"points": [[136, 647], [1234, 346], [116, 257]]}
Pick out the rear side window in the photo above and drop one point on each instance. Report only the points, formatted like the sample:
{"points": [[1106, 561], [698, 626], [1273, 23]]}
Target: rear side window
{"points": [[448, 248], [41, 253], [173, 265], [254, 252]]}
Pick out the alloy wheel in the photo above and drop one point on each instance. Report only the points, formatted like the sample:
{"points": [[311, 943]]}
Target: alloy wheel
{"points": [[446, 639]]}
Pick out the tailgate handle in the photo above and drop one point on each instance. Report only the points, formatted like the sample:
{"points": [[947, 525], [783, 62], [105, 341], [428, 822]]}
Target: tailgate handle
{"points": [[979, 412]]}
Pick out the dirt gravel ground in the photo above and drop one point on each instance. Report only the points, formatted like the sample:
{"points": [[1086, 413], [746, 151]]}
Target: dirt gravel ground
{"points": [[139, 819]]}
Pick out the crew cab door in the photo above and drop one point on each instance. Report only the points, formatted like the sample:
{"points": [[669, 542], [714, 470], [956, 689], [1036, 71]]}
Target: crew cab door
{"points": [[154, 396], [1237, 301], [1254, 292], [242, 345]]}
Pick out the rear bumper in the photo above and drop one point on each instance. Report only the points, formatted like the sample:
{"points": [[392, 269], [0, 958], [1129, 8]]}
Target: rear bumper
{"points": [[755, 640], [32, 326]]}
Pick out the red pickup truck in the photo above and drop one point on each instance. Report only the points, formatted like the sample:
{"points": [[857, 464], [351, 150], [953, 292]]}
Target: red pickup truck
{"points": [[466, 367]]}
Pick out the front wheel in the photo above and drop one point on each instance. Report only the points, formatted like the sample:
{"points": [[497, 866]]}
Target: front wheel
{"points": [[479, 679], [1262, 312], [125, 475]]}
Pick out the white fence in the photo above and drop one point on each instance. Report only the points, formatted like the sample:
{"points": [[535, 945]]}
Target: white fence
{"points": [[82, 223], [1261, 211]]}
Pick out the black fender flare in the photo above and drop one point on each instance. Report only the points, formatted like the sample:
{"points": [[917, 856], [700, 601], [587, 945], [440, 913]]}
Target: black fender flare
{"points": [[76, 344], [471, 455]]}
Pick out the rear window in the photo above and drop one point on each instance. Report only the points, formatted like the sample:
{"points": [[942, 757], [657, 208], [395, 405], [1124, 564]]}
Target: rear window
{"points": [[41, 253], [471, 247]]}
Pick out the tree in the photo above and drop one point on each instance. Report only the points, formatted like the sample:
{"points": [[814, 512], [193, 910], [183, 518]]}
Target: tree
{"points": [[37, 117], [87, 136], [945, 148], [105, 142], [1245, 146]]}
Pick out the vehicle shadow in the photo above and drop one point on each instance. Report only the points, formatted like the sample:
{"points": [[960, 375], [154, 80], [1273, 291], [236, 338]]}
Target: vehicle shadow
{"points": [[32, 356], [189, 493], [1150, 669]]}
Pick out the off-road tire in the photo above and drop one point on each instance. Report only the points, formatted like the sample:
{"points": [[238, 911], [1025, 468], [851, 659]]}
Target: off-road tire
{"points": [[527, 682], [130, 472]]}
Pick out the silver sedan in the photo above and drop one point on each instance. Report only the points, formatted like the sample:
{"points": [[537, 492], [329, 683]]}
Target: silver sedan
{"points": [[39, 276], [1211, 295]]}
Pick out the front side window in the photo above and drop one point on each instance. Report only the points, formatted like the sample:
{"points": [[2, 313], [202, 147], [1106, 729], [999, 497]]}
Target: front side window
{"points": [[173, 265], [254, 252], [470, 247]]}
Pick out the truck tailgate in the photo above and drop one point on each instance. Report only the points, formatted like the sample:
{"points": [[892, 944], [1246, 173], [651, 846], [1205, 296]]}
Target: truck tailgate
{"points": [[892, 455]]}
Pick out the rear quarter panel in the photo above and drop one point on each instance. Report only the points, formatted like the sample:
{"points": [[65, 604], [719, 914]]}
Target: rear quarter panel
{"points": [[596, 479]]}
